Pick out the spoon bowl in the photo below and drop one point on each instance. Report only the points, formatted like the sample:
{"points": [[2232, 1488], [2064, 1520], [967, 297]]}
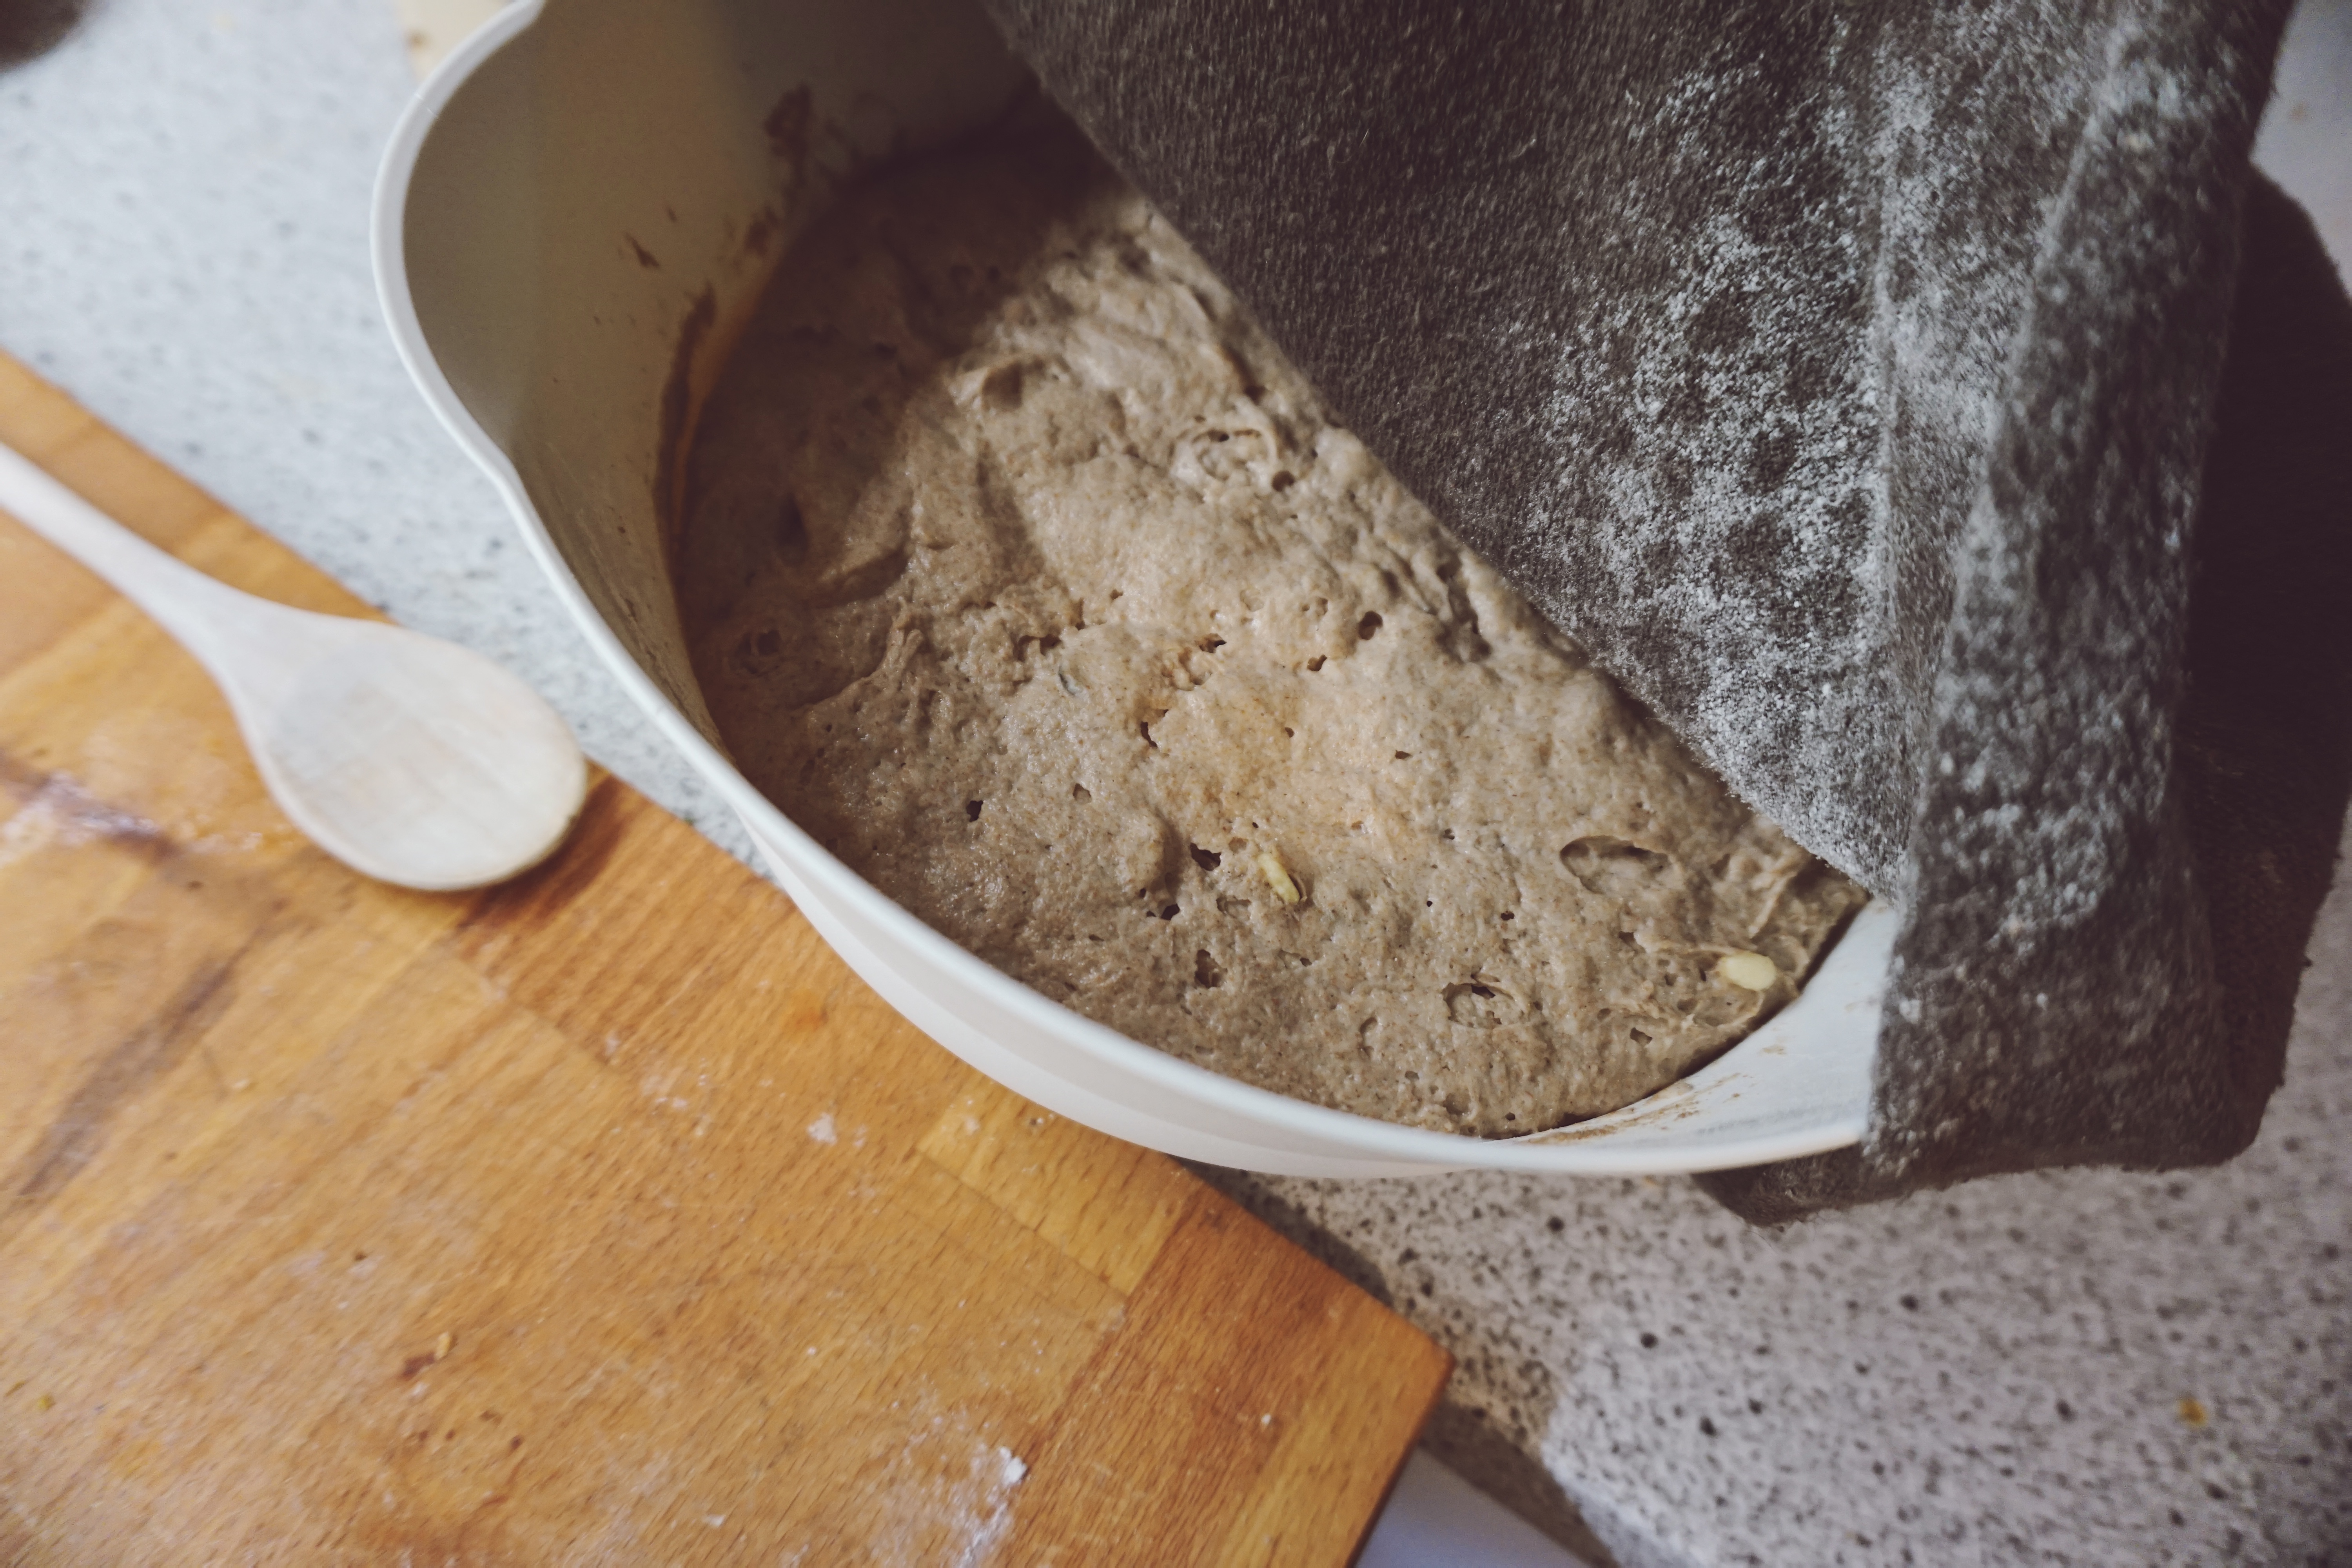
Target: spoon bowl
{"points": [[439, 768]]}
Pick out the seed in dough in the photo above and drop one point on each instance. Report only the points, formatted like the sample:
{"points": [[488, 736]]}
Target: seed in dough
{"points": [[1748, 971]]}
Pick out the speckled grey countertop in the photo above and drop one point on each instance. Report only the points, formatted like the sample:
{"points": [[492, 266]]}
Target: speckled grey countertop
{"points": [[2088, 1368]]}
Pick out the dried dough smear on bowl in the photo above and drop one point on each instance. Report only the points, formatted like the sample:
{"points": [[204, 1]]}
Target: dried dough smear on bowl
{"points": [[574, 223]]}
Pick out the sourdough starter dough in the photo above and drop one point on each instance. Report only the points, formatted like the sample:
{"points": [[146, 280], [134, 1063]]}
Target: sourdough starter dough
{"points": [[1027, 576]]}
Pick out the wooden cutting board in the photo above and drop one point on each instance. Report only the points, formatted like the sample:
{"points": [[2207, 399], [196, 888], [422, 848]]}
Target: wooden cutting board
{"points": [[602, 1217]]}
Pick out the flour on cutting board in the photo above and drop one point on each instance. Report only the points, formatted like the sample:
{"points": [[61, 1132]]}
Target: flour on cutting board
{"points": [[981, 1510], [61, 813], [951, 1498]]}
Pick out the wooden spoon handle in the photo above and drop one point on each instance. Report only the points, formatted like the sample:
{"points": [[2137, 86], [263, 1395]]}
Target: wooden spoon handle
{"points": [[186, 603]]}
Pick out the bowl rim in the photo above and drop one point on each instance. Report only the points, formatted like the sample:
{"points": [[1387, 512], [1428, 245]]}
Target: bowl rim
{"points": [[1364, 1137]]}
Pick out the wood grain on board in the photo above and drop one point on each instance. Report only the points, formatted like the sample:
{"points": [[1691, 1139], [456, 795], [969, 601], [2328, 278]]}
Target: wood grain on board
{"points": [[602, 1216]]}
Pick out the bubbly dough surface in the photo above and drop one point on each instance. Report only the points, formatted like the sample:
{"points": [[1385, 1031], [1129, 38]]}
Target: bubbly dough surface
{"points": [[1026, 575]]}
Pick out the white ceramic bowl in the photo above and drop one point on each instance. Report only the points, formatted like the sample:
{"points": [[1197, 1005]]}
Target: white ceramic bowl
{"points": [[573, 221]]}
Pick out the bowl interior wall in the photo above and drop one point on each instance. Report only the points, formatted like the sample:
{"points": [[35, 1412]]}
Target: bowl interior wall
{"points": [[592, 221]]}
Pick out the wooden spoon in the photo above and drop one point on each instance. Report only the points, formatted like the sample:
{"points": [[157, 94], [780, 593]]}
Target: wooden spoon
{"points": [[408, 759]]}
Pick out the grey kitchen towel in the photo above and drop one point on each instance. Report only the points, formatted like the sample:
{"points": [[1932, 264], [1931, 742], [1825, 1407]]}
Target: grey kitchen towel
{"points": [[1922, 407]]}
